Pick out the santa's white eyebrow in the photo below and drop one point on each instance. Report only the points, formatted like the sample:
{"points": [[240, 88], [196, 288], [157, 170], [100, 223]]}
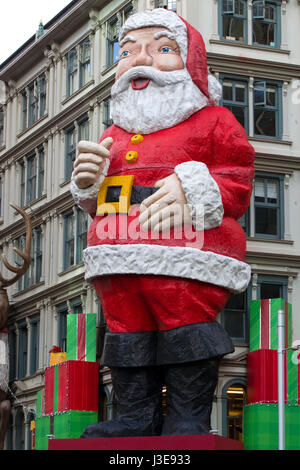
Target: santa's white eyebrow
{"points": [[127, 39], [164, 33]]}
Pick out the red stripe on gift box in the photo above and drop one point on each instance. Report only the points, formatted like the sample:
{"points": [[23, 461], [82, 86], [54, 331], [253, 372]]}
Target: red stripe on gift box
{"points": [[81, 337], [49, 390], [265, 324]]}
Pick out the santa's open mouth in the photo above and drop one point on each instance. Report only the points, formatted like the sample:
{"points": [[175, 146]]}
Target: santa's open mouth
{"points": [[140, 83]]}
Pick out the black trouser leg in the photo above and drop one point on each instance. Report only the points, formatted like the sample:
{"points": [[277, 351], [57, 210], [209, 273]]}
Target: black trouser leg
{"points": [[138, 392], [189, 396]]}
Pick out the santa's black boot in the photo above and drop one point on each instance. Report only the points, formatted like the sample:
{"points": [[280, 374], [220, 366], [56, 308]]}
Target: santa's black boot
{"points": [[138, 392], [189, 396]]}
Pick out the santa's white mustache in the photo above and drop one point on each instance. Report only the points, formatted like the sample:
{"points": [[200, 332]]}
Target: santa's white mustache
{"points": [[157, 76]]}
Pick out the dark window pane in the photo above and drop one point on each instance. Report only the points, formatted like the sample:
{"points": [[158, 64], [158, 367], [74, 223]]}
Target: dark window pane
{"points": [[233, 28], [234, 323], [264, 33], [240, 93], [266, 221], [270, 291], [227, 91], [265, 122]]}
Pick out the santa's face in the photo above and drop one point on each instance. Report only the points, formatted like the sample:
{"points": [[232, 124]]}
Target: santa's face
{"points": [[153, 89], [153, 47]]}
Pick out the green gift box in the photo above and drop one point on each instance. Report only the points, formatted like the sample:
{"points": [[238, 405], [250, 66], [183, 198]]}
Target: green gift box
{"points": [[71, 424], [67, 425], [263, 323], [260, 427], [40, 403], [42, 431], [81, 337]]}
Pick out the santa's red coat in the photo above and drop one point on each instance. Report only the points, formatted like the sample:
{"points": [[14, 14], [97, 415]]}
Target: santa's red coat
{"points": [[155, 299]]}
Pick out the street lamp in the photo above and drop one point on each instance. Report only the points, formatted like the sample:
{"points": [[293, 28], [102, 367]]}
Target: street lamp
{"points": [[281, 351]]}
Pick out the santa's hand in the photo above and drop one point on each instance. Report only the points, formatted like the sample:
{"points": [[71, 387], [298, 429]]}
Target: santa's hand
{"points": [[166, 208], [90, 161]]}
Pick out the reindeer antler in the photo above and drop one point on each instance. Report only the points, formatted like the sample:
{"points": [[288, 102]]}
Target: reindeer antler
{"points": [[19, 271]]}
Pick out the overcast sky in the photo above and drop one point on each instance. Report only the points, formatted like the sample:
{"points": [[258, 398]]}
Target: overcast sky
{"points": [[20, 20]]}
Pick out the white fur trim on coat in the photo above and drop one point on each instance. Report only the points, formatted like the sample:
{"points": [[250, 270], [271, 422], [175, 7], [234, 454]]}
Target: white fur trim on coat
{"points": [[184, 262], [87, 198], [201, 192]]}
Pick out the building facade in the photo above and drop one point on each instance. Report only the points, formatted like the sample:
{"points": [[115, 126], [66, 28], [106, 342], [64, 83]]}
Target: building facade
{"points": [[56, 91]]}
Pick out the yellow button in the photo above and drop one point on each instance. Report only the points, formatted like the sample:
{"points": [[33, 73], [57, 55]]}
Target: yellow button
{"points": [[131, 156], [137, 139]]}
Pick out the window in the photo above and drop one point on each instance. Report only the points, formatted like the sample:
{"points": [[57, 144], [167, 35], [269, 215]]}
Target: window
{"points": [[234, 317], [113, 26], [1, 126], [79, 130], [267, 109], [269, 204], [233, 20], [69, 244], [32, 176], [22, 350], [76, 306], [62, 311], [169, 4], [33, 101], [266, 24], [75, 236], [78, 66], [272, 287], [107, 120], [234, 399], [34, 272], [20, 429], [34, 344], [235, 98], [84, 62]]}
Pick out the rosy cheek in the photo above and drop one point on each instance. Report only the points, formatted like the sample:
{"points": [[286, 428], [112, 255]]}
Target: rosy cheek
{"points": [[169, 62]]}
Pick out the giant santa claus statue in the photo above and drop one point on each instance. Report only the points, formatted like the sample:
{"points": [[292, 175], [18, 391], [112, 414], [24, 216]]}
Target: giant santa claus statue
{"points": [[165, 187]]}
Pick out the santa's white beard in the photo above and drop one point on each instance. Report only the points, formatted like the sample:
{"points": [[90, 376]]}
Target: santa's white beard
{"points": [[169, 99]]}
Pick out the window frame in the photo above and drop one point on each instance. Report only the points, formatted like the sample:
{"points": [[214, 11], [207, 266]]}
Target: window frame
{"points": [[280, 206], [243, 17], [34, 101], [282, 281], [34, 344], [168, 4], [76, 64], [278, 108], [276, 22], [248, 297], [33, 275], [74, 129], [73, 214], [244, 80]]}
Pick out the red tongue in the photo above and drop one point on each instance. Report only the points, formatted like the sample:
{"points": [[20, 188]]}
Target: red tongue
{"points": [[140, 83]]}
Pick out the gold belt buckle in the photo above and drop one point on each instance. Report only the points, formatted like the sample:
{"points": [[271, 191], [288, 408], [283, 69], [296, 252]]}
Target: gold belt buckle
{"points": [[121, 207]]}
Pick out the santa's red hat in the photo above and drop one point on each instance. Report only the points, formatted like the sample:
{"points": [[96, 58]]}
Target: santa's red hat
{"points": [[190, 41]]}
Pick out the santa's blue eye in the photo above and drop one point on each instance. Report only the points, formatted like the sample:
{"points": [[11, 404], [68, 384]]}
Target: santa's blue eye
{"points": [[166, 49], [125, 54]]}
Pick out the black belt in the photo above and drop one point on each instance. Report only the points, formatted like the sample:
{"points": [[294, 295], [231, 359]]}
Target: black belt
{"points": [[138, 194]]}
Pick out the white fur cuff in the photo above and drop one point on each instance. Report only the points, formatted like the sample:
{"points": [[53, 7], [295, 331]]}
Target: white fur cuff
{"points": [[201, 191]]}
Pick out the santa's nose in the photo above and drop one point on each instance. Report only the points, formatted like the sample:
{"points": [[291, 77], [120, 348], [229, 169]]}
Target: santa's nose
{"points": [[143, 58]]}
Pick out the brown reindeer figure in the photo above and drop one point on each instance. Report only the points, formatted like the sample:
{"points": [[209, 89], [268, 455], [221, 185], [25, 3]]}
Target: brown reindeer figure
{"points": [[5, 405]]}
